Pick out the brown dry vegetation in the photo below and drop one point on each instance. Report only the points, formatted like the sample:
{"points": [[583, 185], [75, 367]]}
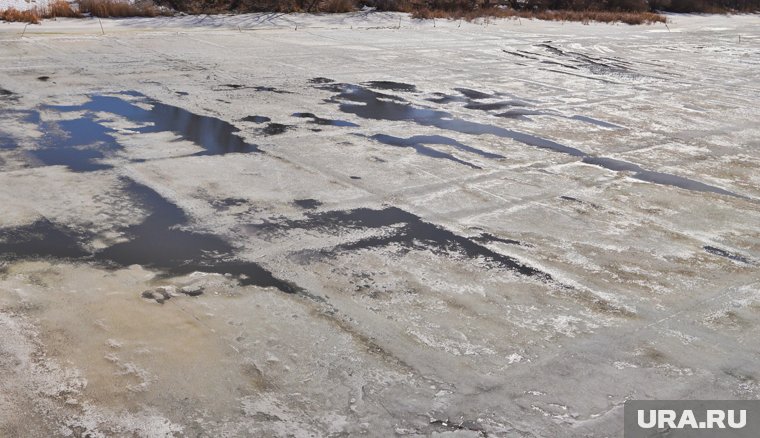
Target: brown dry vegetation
{"points": [[337, 6], [599, 16], [630, 13], [564, 15], [118, 8], [472, 9], [610, 11], [61, 8], [12, 14], [95, 8], [244, 6]]}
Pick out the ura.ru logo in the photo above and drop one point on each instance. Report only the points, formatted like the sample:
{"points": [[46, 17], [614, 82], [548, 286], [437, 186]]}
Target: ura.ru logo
{"points": [[670, 419]]}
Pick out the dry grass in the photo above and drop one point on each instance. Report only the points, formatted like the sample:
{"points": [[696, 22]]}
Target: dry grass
{"points": [[337, 6], [95, 8], [421, 9], [580, 16], [118, 8], [61, 8], [600, 16], [12, 14]]}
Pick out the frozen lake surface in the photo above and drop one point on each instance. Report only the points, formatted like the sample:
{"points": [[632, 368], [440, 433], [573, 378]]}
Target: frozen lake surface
{"points": [[362, 224], [22, 5]]}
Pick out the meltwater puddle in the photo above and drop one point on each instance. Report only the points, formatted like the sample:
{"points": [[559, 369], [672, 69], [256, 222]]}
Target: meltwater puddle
{"points": [[80, 143], [369, 104], [158, 243], [400, 228]]}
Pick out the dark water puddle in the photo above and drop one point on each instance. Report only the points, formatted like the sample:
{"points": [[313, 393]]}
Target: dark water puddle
{"points": [[227, 87], [391, 86], [271, 90], [181, 93], [355, 177], [43, 78], [516, 107], [327, 122], [446, 98], [418, 144], [368, 104], [7, 143], [488, 238], [7, 96], [402, 228], [474, 94], [472, 99], [656, 177], [597, 122], [157, 243], [226, 203], [257, 119], [275, 129], [520, 113], [6, 140], [490, 106], [90, 136], [308, 204], [727, 254], [320, 80], [41, 239], [82, 144]]}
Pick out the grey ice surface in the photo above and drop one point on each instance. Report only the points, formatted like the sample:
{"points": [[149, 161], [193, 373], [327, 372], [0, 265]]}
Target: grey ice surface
{"points": [[366, 225]]}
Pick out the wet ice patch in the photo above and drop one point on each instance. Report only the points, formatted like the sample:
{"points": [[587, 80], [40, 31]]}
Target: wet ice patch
{"points": [[398, 227], [325, 122], [275, 129], [392, 86], [159, 242], [57, 392], [86, 140], [727, 254], [256, 119]]}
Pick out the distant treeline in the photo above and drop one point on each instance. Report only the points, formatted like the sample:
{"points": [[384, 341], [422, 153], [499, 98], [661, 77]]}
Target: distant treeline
{"points": [[611, 11], [639, 5], [714, 6]]}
